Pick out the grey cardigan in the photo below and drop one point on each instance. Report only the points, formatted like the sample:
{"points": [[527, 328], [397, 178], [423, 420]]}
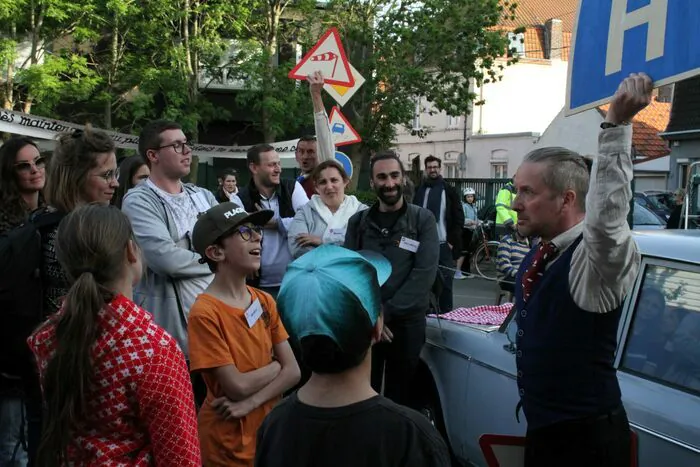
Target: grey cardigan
{"points": [[307, 221], [168, 264]]}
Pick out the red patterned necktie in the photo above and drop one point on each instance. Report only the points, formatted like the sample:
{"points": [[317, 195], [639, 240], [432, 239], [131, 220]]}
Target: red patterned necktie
{"points": [[545, 253]]}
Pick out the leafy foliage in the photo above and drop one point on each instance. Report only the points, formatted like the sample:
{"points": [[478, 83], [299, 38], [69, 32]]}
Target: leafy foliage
{"points": [[119, 63]]}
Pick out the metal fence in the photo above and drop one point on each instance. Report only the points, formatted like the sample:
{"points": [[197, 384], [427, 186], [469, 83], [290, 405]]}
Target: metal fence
{"points": [[486, 188]]}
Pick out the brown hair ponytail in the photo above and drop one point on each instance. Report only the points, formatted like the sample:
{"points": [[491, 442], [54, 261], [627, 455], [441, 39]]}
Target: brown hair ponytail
{"points": [[90, 246]]}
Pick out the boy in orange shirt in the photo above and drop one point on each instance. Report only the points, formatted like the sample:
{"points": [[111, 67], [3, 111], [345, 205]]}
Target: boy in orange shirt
{"points": [[236, 338]]}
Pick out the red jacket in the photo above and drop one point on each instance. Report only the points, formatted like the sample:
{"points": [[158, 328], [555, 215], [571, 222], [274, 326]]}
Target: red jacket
{"points": [[141, 407]]}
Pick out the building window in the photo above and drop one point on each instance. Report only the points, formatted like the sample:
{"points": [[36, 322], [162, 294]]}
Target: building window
{"points": [[499, 170], [416, 114], [516, 46], [452, 122]]}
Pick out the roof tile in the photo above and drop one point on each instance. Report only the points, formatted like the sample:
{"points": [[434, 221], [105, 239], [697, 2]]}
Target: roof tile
{"points": [[536, 12], [646, 128]]}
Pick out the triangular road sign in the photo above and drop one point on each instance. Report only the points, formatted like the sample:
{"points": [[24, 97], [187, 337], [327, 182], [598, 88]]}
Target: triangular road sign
{"points": [[342, 94], [327, 56], [341, 130]]}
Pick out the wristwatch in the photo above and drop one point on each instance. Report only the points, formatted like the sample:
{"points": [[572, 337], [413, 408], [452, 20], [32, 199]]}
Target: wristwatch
{"points": [[606, 125]]}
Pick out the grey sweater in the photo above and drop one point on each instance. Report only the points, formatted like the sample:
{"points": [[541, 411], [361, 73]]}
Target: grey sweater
{"points": [[172, 267]]}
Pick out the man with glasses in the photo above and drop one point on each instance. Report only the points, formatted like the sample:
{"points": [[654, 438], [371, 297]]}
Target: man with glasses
{"points": [[311, 151], [267, 190], [442, 199], [163, 211]]}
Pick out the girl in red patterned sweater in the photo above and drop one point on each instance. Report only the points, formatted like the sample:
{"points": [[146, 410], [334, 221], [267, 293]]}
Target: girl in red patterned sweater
{"points": [[116, 387]]}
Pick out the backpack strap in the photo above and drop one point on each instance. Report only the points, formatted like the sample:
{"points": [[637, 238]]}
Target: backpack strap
{"points": [[362, 227]]}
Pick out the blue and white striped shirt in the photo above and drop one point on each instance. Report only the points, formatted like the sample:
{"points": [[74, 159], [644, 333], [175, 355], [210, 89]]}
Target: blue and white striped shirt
{"points": [[510, 254]]}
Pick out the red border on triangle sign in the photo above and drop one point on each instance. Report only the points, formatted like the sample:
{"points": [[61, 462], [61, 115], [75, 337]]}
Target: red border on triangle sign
{"points": [[294, 74], [356, 135]]}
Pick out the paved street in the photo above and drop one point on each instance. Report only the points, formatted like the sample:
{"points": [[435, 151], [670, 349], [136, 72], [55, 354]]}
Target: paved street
{"points": [[473, 292]]}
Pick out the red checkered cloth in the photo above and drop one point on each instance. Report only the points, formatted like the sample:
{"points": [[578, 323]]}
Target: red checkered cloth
{"points": [[483, 314]]}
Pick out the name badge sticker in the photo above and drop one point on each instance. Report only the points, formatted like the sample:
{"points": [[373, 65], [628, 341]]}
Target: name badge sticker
{"points": [[337, 235], [253, 313], [409, 244]]}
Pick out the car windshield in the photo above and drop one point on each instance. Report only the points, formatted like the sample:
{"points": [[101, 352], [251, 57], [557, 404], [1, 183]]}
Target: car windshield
{"points": [[642, 216], [655, 200], [662, 199]]}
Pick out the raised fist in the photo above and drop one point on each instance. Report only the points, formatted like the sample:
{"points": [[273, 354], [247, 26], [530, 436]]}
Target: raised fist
{"points": [[631, 97], [315, 82]]}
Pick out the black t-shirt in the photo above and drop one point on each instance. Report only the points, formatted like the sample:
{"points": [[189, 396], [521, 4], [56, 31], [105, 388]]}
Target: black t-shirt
{"points": [[372, 433], [386, 220]]}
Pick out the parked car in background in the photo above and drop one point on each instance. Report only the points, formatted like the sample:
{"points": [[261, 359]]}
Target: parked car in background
{"points": [[645, 219], [665, 198], [468, 373], [654, 204]]}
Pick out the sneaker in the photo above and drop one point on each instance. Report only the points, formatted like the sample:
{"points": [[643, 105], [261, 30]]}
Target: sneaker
{"points": [[468, 275], [459, 275]]}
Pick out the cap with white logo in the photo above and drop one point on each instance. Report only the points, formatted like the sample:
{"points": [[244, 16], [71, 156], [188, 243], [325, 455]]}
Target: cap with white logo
{"points": [[220, 220]]}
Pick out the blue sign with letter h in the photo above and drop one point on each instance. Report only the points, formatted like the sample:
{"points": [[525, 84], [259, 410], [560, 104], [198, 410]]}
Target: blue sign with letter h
{"points": [[614, 38]]}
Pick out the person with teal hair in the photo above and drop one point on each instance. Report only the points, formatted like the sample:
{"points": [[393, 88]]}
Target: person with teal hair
{"points": [[330, 302]]}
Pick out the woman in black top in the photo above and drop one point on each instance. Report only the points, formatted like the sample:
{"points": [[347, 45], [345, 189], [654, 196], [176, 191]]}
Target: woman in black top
{"points": [[82, 170], [22, 177], [132, 171]]}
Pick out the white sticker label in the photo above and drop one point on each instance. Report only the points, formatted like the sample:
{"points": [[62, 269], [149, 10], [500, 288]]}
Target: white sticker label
{"points": [[409, 244], [253, 313], [337, 235]]}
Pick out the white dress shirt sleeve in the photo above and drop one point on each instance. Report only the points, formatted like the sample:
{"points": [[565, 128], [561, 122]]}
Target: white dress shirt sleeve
{"points": [[605, 264], [299, 199], [326, 148]]}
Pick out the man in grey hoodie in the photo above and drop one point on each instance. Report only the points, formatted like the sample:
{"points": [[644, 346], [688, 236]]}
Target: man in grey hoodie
{"points": [[163, 211]]}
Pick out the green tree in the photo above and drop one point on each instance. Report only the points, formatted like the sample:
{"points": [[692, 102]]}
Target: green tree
{"points": [[270, 31], [405, 49], [33, 28]]}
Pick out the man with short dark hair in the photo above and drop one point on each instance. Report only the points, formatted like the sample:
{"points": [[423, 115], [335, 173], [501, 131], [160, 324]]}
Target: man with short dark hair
{"points": [[163, 211], [406, 234], [569, 292], [312, 150], [442, 199], [331, 304], [284, 197]]}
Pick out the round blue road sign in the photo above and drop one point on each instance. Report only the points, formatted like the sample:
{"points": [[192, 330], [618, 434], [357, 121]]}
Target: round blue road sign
{"points": [[345, 162]]}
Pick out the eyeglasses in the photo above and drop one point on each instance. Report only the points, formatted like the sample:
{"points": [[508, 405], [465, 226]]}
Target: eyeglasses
{"points": [[109, 175], [246, 232], [26, 166], [177, 146]]}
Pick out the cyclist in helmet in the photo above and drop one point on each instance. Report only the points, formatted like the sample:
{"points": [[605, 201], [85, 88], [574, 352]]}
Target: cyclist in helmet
{"points": [[470, 222]]}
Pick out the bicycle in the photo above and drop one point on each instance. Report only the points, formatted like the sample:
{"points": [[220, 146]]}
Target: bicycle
{"points": [[484, 257]]}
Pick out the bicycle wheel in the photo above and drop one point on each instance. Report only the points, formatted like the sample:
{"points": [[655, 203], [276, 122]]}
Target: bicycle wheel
{"points": [[485, 260]]}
